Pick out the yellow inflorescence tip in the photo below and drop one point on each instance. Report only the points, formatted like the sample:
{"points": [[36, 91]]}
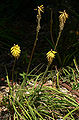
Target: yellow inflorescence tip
{"points": [[62, 19], [40, 8], [15, 50], [63, 14], [51, 56]]}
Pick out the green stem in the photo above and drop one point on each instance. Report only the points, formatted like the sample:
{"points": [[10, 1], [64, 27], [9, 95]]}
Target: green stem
{"points": [[12, 82], [13, 72], [10, 89], [56, 47], [30, 59], [37, 31], [57, 39], [75, 63], [58, 81], [45, 72], [51, 22], [32, 52], [43, 77]]}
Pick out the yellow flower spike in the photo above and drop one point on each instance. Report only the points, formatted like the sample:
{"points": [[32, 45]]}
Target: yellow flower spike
{"points": [[51, 56], [62, 19], [15, 50]]}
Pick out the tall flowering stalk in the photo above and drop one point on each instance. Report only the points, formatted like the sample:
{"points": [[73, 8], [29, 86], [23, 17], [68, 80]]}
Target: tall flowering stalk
{"points": [[40, 9], [50, 56], [15, 50], [62, 20]]}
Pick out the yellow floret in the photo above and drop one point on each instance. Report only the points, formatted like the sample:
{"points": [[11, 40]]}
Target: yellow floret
{"points": [[15, 50], [51, 56]]}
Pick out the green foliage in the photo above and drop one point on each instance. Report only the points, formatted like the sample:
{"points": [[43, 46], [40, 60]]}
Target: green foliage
{"points": [[34, 102]]}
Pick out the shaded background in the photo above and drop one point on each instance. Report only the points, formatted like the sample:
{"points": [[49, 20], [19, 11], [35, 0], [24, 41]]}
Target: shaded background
{"points": [[18, 26]]}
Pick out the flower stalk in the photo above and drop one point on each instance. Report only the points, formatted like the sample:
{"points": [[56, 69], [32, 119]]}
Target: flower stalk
{"points": [[13, 72], [62, 20], [15, 50], [39, 9], [50, 57]]}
